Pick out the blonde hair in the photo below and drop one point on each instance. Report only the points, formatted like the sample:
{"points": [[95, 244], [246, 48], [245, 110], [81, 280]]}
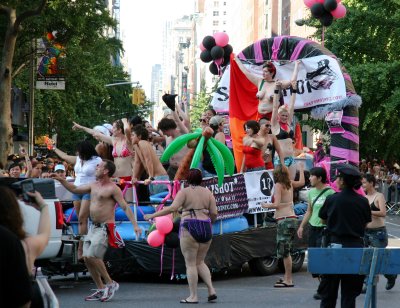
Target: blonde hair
{"points": [[283, 109]]}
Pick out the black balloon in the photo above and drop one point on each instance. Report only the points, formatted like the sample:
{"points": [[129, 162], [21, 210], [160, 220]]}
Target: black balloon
{"points": [[205, 56], [317, 10], [228, 50], [217, 52], [330, 5], [177, 223], [213, 68], [172, 240], [208, 42], [326, 19], [227, 54]]}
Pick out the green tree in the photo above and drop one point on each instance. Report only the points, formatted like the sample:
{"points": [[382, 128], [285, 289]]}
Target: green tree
{"points": [[367, 42], [201, 102], [11, 25], [81, 27]]}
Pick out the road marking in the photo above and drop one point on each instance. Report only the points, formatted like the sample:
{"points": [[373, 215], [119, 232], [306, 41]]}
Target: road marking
{"points": [[394, 236]]}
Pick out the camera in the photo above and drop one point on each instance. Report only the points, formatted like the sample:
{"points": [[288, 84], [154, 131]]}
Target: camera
{"points": [[27, 186]]}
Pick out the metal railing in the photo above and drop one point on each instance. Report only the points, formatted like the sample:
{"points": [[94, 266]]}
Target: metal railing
{"points": [[391, 193]]}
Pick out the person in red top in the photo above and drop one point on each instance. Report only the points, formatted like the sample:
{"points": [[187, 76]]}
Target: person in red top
{"points": [[252, 145]]}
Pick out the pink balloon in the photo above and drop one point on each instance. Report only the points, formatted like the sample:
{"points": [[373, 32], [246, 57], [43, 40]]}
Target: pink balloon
{"points": [[219, 61], [309, 3], [202, 47], [155, 238], [221, 39], [340, 11], [164, 224]]}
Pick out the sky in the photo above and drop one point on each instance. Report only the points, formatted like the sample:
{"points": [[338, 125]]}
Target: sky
{"points": [[141, 26]]}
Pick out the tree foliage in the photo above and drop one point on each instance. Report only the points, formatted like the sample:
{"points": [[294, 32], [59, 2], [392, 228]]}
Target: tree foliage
{"points": [[83, 28], [366, 40], [201, 102]]}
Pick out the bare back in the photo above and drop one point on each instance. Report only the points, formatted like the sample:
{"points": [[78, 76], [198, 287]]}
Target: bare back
{"points": [[198, 198]]}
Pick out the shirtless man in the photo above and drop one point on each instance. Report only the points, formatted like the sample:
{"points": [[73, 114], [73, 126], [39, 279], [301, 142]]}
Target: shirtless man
{"points": [[286, 218], [170, 129], [146, 160], [104, 193]]}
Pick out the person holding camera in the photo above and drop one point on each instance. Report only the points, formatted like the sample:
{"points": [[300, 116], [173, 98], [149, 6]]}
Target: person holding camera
{"points": [[346, 215], [33, 245]]}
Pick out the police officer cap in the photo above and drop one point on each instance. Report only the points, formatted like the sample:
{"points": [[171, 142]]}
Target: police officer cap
{"points": [[347, 169]]}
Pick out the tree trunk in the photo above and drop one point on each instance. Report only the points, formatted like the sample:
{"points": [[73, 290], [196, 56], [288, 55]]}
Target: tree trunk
{"points": [[6, 134]]}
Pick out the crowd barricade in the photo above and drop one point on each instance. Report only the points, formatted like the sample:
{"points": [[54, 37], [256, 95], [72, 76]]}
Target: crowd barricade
{"points": [[391, 193]]}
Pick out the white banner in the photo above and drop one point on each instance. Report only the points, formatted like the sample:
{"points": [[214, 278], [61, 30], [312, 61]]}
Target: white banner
{"points": [[259, 189], [319, 82]]}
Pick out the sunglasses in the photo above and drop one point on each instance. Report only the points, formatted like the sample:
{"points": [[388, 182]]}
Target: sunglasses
{"points": [[203, 120]]}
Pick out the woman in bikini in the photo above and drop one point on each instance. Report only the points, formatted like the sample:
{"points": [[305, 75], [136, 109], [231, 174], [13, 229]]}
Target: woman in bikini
{"points": [[271, 144], [34, 245], [281, 120], [252, 145], [199, 210], [375, 232], [286, 219], [123, 156]]}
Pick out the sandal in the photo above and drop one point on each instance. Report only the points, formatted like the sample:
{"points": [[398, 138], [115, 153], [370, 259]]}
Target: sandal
{"points": [[283, 285], [212, 297], [185, 301]]}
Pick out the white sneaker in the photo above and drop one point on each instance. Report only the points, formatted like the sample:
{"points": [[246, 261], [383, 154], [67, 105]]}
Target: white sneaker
{"points": [[96, 296], [110, 291]]}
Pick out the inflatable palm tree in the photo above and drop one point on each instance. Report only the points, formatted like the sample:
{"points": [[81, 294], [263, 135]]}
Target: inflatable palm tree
{"points": [[220, 154]]}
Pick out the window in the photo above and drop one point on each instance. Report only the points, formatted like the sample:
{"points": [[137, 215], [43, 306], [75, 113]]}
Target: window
{"points": [[215, 23], [216, 3], [224, 12], [224, 22], [215, 13]]}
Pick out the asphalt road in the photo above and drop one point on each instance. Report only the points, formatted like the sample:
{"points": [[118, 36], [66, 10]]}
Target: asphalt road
{"points": [[237, 288]]}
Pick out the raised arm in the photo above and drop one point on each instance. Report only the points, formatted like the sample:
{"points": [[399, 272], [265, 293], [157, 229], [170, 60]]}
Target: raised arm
{"points": [[293, 82], [128, 133], [275, 106], [181, 126], [184, 115], [94, 133], [254, 79], [22, 152], [64, 156]]}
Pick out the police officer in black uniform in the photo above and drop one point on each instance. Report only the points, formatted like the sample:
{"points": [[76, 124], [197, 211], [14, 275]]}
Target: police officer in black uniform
{"points": [[346, 215]]}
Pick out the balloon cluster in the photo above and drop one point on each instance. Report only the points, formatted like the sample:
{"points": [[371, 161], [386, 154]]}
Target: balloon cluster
{"points": [[326, 10], [216, 49], [164, 231]]}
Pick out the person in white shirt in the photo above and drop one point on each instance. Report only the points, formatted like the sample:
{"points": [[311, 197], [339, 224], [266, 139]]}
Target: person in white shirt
{"points": [[85, 163]]}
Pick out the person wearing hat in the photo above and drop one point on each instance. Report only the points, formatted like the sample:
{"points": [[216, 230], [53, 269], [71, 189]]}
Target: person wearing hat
{"points": [[346, 215]]}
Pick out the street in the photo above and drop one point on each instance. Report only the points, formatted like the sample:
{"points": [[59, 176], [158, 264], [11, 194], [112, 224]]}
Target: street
{"points": [[238, 288]]}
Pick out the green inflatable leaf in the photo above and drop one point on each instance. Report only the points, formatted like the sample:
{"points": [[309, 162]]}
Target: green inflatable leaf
{"points": [[217, 161], [176, 145], [198, 153], [227, 156]]}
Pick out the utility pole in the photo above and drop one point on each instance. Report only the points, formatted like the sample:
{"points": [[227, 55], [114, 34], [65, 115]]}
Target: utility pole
{"points": [[32, 69]]}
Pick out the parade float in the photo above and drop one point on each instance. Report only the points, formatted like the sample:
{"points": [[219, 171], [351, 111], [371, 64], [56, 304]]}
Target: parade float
{"points": [[241, 233]]}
